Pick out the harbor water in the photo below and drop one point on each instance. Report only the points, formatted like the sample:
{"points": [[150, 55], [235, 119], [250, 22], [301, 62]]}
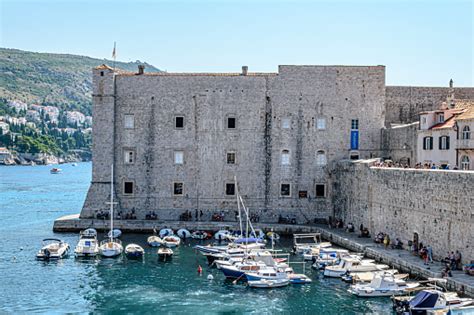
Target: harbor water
{"points": [[31, 198]]}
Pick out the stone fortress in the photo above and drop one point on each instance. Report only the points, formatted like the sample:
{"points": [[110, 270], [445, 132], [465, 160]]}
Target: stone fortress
{"points": [[178, 140]]}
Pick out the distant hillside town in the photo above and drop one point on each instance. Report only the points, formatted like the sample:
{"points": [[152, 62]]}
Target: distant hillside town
{"points": [[42, 134]]}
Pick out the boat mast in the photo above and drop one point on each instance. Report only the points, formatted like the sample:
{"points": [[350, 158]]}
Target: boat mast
{"points": [[111, 202], [238, 206]]}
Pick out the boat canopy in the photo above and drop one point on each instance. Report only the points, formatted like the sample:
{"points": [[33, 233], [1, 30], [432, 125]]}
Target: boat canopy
{"points": [[52, 239], [248, 240], [424, 299]]}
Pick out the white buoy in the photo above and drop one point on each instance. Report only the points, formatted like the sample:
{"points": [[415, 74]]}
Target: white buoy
{"points": [[21, 248], [210, 277]]}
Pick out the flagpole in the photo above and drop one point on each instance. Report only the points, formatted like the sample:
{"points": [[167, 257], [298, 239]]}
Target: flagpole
{"points": [[114, 55]]}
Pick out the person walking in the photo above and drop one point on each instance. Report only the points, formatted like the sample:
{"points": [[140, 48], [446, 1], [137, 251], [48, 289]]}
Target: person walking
{"points": [[386, 241]]}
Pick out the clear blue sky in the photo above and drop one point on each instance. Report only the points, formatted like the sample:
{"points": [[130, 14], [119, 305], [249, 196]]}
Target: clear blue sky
{"points": [[420, 42]]}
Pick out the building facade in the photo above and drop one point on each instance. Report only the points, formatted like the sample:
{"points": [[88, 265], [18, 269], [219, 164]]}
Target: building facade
{"points": [[178, 141]]}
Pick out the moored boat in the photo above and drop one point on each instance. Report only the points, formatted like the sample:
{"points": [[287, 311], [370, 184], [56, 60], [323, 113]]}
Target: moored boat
{"points": [[352, 264], [134, 251], [115, 233], [171, 241], [166, 232], [55, 170], [154, 241], [165, 253], [183, 233], [199, 235], [222, 235], [53, 249], [382, 285], [269, 284], [88, 246]]}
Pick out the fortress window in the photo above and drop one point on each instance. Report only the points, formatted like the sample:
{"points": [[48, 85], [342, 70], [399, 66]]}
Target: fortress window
{"points": [[129, 156], [230, 189], [321, 158], [285, 123], [321, 123], [320, 190], [179, 122], [428, 143], [178, 189], [285, 157], [230, 157], [303, 194], [440, 118], [128, 188], [129, 121], [102, 73], [231, 122], [444, 143], [466, 133], [285, 190], [355, 124], [178, 157]]}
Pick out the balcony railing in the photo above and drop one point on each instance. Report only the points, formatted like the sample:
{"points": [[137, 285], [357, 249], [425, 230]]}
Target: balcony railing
{"points": [[465, 144]]}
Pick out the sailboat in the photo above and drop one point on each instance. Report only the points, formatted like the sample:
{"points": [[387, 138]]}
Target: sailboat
{"points": [[111, 247]]}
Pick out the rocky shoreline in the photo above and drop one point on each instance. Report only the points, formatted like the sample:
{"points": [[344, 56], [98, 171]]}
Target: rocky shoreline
{"points": [[27, 159]]}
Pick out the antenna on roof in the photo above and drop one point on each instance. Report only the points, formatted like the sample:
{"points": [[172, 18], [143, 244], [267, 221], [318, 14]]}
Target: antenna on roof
{"points": [[114, 55]]}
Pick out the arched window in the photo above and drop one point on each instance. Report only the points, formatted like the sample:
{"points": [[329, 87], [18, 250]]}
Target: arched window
{"points": [[466, 132], [285, 157], [465, 162], [321, 158]]}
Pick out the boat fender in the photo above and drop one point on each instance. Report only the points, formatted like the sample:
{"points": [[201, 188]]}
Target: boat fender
{"points": [[210, 277], [199, 269]]}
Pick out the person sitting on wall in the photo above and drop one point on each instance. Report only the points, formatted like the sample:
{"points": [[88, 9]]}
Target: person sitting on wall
{"points": [[365, 233], [446, 272], [350, 227], [398, 244]]}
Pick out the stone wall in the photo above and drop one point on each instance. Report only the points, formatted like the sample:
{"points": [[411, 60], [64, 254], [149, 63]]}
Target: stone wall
{"points": [[399, 143], [403, 103], [436, 204]]}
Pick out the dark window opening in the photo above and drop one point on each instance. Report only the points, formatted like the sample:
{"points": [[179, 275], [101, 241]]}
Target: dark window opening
{"points": [[102, 73], [285, 190], [231, 158], [303, 194], [354, 156], [320, 191], [178, 189], [230, 189], [231, 122], [128, 188], [179, 122], [355, 124]]}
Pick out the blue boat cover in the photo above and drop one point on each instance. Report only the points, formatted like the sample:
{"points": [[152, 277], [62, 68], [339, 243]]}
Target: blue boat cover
{"points": [[424, 299], [248, 240]]}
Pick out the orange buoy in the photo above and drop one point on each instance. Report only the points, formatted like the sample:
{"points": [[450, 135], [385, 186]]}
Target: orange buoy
{"points": [[199, 269]]}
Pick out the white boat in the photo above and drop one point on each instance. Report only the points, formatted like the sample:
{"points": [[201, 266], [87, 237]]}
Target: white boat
{"points": [[296, 278], [258, 233], [111, 247], [269, 284], [434, 302], [199, 235], [134, 251], [154, 241], [164, 253], [88, 246], [222, 235], [53, 249], [351, 264], [166, 232], [308, 241], [56, 170], [267, 273], [382, 285], [183, 233], [115, 233], [171, 241]]}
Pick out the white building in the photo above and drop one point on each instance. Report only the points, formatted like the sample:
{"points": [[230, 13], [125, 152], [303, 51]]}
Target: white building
{"points": [[5, 127], [18, 105], [440, 139], [75, 117]]}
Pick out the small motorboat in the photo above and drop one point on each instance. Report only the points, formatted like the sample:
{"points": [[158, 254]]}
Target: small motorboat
{"points": [[88, 246], [53, 249], [171, 241], [222, 235], [134, 251], [296, 278], [165, 232], [165, 253], [115, 233], [433, 301], [55, 170], [199, 235], [154, 241], [183, 233], [382, 285], [352, 264], [269, 284]]}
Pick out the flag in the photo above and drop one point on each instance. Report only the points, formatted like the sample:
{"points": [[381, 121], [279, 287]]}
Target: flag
{"points": [[113, 52]]}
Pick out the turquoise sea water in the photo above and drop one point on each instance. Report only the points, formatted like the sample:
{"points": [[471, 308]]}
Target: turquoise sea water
{"points": [[31, 198]]}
